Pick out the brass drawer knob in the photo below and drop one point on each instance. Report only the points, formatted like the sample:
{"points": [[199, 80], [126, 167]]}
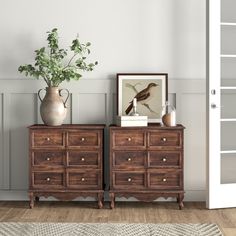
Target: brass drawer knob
{"points": [[129, 159], [164, 159], [47, 139], [82, 179], [164, 180], [48, 179], [82, 159], [164, 139], [82, 139], [129, 179], [129, 139], [48, 159]]}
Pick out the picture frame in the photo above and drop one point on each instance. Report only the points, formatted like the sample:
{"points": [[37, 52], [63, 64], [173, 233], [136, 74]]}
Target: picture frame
{"points": [[150, 90]]}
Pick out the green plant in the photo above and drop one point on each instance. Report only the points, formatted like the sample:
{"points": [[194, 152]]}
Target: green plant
{"points": [[52, 64]]}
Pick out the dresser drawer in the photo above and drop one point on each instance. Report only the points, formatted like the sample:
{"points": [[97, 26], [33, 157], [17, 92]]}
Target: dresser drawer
{"points": [[129, 138], [84, 180], [165, 159], [78, 158], [48, 138], [170, 180], [83, 138], [123, 159], [131, 179], [164, 139], [48, 180], [55, 158]]}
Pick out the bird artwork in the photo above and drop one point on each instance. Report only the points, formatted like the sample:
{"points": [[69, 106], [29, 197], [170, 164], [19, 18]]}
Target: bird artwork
{"points": [[143, 97]]}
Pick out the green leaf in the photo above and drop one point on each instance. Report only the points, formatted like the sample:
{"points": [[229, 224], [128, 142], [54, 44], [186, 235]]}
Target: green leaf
{"points": [[52, 65]]}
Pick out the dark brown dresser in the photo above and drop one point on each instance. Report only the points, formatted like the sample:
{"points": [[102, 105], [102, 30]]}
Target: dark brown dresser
{"points": [[146, 162], [66, 162]]}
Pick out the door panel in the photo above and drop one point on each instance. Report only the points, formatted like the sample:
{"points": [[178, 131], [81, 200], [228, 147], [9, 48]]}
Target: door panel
{"points": [[221, 89]]}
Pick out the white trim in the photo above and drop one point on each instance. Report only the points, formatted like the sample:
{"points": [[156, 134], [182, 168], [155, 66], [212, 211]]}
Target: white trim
{"points": [[228, 55], [228, 119], [228, 151], [228, 24], [228, 87]]}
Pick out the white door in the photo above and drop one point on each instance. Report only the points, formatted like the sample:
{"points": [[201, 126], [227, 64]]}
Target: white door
{"points": [[221, 103]]}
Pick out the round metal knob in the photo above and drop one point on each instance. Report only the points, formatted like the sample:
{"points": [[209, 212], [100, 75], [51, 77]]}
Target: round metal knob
{"points": [[48, 159], [82, 139], [164, 180], [82, 159], [83, 179], [48, 179], [47, 139], [129, 159], [129, 139], [164, 139], [129, 179], [164, 159]]}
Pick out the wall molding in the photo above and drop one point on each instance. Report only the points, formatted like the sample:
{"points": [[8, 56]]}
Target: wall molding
{"points": [[100, 107]]}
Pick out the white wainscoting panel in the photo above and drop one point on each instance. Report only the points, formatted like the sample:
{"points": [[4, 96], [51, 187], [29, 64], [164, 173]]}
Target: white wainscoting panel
{"points": [[22, 113], [90, 108], [93, 101], [195, 141]]}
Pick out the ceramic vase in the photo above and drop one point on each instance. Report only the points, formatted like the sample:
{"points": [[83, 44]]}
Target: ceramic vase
{"points": [[53, 108]]}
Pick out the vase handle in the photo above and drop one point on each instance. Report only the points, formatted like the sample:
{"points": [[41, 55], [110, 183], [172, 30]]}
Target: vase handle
{"points": [[68, 94], [39, 94]]}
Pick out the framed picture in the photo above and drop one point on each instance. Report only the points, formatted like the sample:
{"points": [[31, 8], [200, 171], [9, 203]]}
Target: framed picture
{"points": [[150, 91]]}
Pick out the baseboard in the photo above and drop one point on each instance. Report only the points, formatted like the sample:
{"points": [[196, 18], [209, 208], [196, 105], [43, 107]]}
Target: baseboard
{"points": [[22, 195]]}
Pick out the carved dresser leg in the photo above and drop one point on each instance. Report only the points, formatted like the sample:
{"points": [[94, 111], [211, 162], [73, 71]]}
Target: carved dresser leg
{"points": [[36, 199], [31, 203], [180, 201], [100, 200], [112, 197]]}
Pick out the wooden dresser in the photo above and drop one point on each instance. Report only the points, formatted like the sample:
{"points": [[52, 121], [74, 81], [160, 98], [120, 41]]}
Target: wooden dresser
{"points": [[66, 162], [146, 162]]}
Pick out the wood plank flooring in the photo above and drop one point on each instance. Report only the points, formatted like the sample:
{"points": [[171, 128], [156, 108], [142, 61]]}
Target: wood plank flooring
{"points": [[124, 212]]}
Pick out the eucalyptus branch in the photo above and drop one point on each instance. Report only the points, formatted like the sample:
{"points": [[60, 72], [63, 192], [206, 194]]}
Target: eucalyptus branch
{"points": [[51, 65], [75, 54]]}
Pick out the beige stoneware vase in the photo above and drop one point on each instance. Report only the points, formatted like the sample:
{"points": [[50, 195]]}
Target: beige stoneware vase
{"points": [[53, 108]]}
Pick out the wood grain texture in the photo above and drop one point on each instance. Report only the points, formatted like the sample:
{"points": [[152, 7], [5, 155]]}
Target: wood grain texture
{"points": [[146, 162], [64, 161], [125, 212]]}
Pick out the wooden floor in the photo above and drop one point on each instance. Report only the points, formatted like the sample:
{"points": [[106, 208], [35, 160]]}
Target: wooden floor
{"points": [[125, 212]]}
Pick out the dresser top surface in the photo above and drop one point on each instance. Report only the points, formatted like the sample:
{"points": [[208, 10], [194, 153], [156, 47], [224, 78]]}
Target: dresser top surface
{"points": [[150, 127], [68, 126]]}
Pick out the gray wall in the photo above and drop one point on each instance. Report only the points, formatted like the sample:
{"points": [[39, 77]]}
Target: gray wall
{"points": [[126, 36]]}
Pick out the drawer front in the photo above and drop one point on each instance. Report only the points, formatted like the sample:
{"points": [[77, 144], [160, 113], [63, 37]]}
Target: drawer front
{"points": [[165, 159], [128, 180], [129, 160], [83, 138], [84, 180], [55, 158], [165, 139], [171, 180], [129, 139], [76, 158], [49, 138], [48, 180]]}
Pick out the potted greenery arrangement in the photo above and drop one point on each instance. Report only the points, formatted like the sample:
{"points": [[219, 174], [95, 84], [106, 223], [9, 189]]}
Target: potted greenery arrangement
{"points": [[53, 65]]}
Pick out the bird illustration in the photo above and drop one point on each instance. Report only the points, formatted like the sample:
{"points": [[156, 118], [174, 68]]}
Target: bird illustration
{"points": [[142, 96]]}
